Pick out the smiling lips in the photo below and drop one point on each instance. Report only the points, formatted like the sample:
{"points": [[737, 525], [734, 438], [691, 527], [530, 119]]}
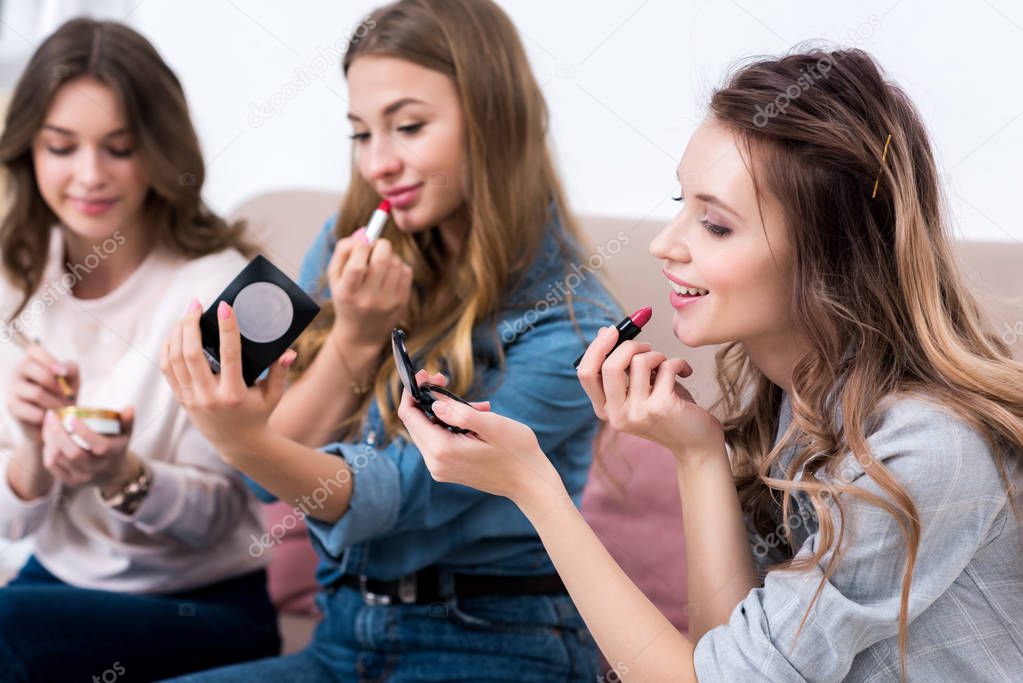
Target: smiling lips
{"points": [[400, 197], [93, 207], [683, 293]]}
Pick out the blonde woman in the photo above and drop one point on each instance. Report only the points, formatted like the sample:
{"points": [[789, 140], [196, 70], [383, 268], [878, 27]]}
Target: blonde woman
{"points": [[140, 564], [850, 506], [482, 267]]}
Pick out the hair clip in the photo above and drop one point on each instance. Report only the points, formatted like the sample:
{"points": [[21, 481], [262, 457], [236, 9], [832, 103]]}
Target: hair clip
{"points": [[880, 170]]}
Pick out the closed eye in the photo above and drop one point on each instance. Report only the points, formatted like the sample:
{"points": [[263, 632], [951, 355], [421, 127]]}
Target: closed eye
{"points": [[714, 229], [410, 129]]}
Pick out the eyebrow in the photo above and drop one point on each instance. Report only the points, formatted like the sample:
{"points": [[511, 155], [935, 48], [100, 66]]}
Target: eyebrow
{"points": [[708, 198], [711, 199], [65, 131], [392, 107]]}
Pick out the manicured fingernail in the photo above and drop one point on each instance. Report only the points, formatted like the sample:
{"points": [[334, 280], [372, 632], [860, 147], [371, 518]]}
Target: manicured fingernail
{"points": [[360, 235], [289, 358], [194, 306], [59, 369], [223, 310], [439, 408]]}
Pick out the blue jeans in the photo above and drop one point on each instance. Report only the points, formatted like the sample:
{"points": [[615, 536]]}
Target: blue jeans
{"points": [[51, 631], [525, 639]]}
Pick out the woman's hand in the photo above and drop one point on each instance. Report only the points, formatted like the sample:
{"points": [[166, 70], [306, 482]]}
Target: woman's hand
{"points": [[635, 391], [370, 287], [34, 389], [82, 456], [230, 414], [502, 457]]}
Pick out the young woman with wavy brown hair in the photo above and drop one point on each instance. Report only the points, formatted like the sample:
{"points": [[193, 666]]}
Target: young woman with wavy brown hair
{"points": [[140, 564], [481, 266], [850, 503]]}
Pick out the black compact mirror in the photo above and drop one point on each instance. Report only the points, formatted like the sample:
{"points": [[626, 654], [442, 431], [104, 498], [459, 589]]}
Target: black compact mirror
{"points": [[423, 395], [271, 310]]}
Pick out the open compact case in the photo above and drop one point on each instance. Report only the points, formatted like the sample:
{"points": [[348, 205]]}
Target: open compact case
{"points": [[423, 395], [271, 310]]}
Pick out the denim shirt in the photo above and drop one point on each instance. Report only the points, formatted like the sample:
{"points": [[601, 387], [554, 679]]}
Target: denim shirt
{"points": [[399, 519], [966, 598]]}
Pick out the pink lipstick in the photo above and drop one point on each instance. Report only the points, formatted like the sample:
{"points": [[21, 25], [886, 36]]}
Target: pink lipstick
{"points": [[628, 328]]}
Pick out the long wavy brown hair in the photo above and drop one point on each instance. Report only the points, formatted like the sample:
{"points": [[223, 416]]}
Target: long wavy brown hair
{"points": [[877, 293], [162, 136], [513, 190]]}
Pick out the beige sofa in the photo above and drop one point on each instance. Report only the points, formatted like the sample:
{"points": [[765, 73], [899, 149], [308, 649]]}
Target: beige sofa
{"points": [[634, 505]]}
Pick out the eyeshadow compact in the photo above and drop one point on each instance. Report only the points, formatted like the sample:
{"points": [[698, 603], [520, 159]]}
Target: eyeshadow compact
{"points": [[271, 310], [423, 395]]}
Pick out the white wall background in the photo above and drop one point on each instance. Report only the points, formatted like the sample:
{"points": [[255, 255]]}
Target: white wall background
{"points": [[625, 81]]}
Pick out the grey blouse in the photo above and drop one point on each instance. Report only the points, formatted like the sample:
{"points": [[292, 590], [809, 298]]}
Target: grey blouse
{"points": [[966, 599]]}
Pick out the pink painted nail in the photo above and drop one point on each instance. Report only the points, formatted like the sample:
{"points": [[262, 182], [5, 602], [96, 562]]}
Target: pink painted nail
{"points": [[223, 310], [194, 306], [360, 235]]}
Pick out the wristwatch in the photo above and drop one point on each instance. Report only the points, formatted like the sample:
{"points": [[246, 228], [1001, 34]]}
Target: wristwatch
{"points": [[127, 500]]}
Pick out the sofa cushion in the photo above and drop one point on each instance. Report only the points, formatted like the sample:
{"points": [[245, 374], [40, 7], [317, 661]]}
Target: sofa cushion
{"points": [[292, 570], [632, 502]]}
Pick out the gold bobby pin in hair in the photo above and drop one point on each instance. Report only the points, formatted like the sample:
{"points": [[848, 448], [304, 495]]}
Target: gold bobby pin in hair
{"points": [[881, 170]]}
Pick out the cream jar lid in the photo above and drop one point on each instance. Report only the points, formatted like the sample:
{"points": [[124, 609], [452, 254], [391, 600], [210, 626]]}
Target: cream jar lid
{"points": [[99, 420]]}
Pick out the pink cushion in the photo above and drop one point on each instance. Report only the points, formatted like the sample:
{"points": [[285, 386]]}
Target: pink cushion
{"points": [[633, 505], [292, 571]]}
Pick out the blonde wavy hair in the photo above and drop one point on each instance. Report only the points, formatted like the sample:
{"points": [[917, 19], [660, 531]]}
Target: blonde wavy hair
{"points": [[877, 293], [513, 190]]}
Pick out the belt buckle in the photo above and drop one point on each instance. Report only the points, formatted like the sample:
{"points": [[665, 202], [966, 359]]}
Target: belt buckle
{"points": [[407, 589], [370, 598]]}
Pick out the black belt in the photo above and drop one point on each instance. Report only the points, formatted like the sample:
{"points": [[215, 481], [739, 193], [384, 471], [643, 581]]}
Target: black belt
{"points": [[424, 587]]}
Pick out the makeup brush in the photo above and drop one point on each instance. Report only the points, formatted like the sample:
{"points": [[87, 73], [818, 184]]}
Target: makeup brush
{"points": [[24, 342]]}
